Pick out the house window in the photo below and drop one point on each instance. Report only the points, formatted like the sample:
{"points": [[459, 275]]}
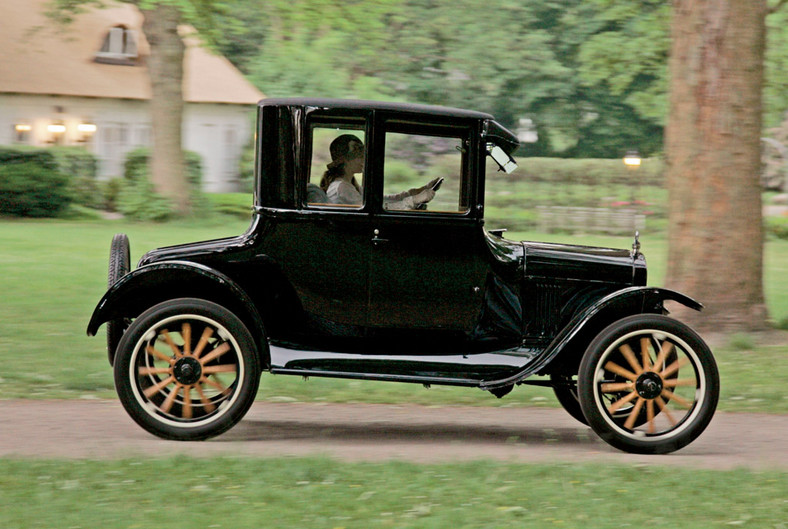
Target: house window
{"points": [[22, 133], [119, 47]]}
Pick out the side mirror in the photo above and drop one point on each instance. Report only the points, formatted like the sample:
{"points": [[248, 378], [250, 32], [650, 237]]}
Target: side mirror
{"points": [[504, 161]]}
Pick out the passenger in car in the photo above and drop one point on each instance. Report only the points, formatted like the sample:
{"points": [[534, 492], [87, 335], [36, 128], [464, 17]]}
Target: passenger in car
{"points": [[340, 184]]}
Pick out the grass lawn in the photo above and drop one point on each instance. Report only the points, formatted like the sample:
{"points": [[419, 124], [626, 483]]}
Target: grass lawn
{"points": [[52, 273], [319, 493]]}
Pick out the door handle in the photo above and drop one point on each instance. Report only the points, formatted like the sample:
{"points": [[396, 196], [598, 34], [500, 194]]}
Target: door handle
{"points": [[377, 240]]}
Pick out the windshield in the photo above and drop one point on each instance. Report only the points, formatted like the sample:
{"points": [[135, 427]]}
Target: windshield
{"points": [[501, 143], [504, 161]]}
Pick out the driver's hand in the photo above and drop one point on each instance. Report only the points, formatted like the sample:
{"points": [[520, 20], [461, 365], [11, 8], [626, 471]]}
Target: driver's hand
{"points": [[424, 196], [425, 193], [432, 183]]}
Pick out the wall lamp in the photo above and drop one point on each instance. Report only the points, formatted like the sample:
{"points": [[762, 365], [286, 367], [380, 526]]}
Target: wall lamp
{"points": [[87, 130]]}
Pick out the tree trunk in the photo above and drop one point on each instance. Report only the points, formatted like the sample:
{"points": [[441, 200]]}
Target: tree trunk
{"points": [[712, 143], [165, 65]]}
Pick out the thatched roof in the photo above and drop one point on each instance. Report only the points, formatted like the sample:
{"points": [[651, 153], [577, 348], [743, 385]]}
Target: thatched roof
{"points": [[38, 56]]}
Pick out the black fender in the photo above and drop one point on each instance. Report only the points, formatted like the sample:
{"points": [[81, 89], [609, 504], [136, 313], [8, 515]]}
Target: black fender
{"points": [[573, 339], [149, 285]]}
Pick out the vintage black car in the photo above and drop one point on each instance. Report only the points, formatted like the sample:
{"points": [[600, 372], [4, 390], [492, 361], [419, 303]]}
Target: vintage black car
{"points": [[344, 274]]}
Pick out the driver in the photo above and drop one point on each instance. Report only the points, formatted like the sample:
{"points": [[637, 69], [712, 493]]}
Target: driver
{"points": [[340, 184]]}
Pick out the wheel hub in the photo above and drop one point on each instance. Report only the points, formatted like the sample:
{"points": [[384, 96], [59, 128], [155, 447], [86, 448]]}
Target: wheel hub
{"points": [[187, 371], [649, 385]]}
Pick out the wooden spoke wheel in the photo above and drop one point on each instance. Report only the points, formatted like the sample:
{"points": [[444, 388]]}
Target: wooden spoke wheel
{"points": [[187, 369], [119, 266], [648, 384], [565, 389]]}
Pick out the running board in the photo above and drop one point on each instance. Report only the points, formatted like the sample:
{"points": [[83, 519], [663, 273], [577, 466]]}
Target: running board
{"points": [[470, 370]]}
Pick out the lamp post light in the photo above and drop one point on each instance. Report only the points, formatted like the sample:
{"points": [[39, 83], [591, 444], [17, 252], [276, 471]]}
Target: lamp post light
{"points": [[632, 161]]}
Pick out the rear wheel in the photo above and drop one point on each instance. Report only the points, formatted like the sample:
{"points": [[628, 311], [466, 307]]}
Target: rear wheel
{"points": [[648, 384], [187, 369], [565, 389], [119, 266]]}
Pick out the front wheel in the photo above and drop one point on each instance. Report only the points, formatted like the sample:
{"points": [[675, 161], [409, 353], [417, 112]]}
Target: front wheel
{"points": [[657, 370], [187, 369]]}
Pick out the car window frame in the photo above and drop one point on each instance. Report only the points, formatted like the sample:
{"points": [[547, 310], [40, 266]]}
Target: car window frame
{"points": [[331, 118], [462, 131]]}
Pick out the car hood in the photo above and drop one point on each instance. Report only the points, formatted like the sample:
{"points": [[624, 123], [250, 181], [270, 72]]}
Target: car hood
{"points": [[586, 263]]}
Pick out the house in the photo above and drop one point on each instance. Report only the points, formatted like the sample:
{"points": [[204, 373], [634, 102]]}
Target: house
{"points": [[86, 83]]}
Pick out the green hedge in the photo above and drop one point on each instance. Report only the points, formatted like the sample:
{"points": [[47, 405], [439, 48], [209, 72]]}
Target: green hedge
{"points": [[137, 199], [589, 171], [81, 167], [34, 182], [30, 188]]}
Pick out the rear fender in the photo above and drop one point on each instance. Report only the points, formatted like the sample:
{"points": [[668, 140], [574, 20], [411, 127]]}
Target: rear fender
{"points": [[567, 348], [149, 285]]}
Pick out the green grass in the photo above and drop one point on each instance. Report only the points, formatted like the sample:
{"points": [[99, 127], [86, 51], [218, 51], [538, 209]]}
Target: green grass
{"points": [[320, 493], [52, 273]]}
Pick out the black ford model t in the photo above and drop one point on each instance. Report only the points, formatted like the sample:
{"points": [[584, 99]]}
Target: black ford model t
{"points": [[344, 274]]}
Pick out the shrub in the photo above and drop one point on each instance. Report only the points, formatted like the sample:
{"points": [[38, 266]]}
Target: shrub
{"points": [[80, 166], [246, 168], [33, 187], [136, 166], [76, 164], [137, 198], [234, 204], [777, 227], [110, 190]]}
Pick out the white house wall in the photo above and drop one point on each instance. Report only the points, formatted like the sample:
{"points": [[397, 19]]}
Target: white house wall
{"points": [[217, 132]]}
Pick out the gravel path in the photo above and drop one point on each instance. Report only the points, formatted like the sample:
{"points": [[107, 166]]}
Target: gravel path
{"points": [[364, 432]]}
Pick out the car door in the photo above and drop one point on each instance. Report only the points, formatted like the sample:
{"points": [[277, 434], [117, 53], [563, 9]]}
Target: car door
{"points": [[330, 270], [427, 266]]}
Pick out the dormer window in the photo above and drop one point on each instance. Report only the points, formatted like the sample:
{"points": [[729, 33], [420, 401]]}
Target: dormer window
{"points": [[120, 47]]}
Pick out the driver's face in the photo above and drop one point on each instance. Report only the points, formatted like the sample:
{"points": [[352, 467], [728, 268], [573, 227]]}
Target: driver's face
{"points": [[355, 157]]}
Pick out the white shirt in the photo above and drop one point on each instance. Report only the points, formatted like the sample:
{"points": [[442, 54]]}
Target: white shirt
{"points": [[343, 192]]}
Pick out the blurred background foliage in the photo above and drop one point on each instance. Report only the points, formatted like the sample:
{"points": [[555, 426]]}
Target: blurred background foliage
{"points": [[590, 75]]}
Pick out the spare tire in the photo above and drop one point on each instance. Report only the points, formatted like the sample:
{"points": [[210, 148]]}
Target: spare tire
{"points": [[119, 266]]}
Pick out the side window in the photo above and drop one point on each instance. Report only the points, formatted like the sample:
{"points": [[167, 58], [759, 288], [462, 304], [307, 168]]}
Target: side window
{"points": [[336, 174], [424, 173]]}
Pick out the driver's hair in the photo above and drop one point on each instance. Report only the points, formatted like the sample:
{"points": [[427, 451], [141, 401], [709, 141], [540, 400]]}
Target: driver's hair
{"points": [[339, 149]]}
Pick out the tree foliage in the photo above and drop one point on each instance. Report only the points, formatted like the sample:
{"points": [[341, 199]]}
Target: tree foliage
{"points": [[590, 74]]}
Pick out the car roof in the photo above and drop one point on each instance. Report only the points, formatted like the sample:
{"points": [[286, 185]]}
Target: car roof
{"points": [[375, 105]]}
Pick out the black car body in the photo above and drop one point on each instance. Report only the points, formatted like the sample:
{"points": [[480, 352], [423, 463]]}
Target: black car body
{"points": [[423, 294]]}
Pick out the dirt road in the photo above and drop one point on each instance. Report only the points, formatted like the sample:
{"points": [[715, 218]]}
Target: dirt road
{"points": [[362, 432]]}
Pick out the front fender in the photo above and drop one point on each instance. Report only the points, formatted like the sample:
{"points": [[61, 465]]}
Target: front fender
{"points": [[578, 333], [151, 284]]}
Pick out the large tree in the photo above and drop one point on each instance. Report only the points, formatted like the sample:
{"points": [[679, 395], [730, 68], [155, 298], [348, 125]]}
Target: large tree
{"points": [[165, 66], [712, 142], [162, 19]]}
